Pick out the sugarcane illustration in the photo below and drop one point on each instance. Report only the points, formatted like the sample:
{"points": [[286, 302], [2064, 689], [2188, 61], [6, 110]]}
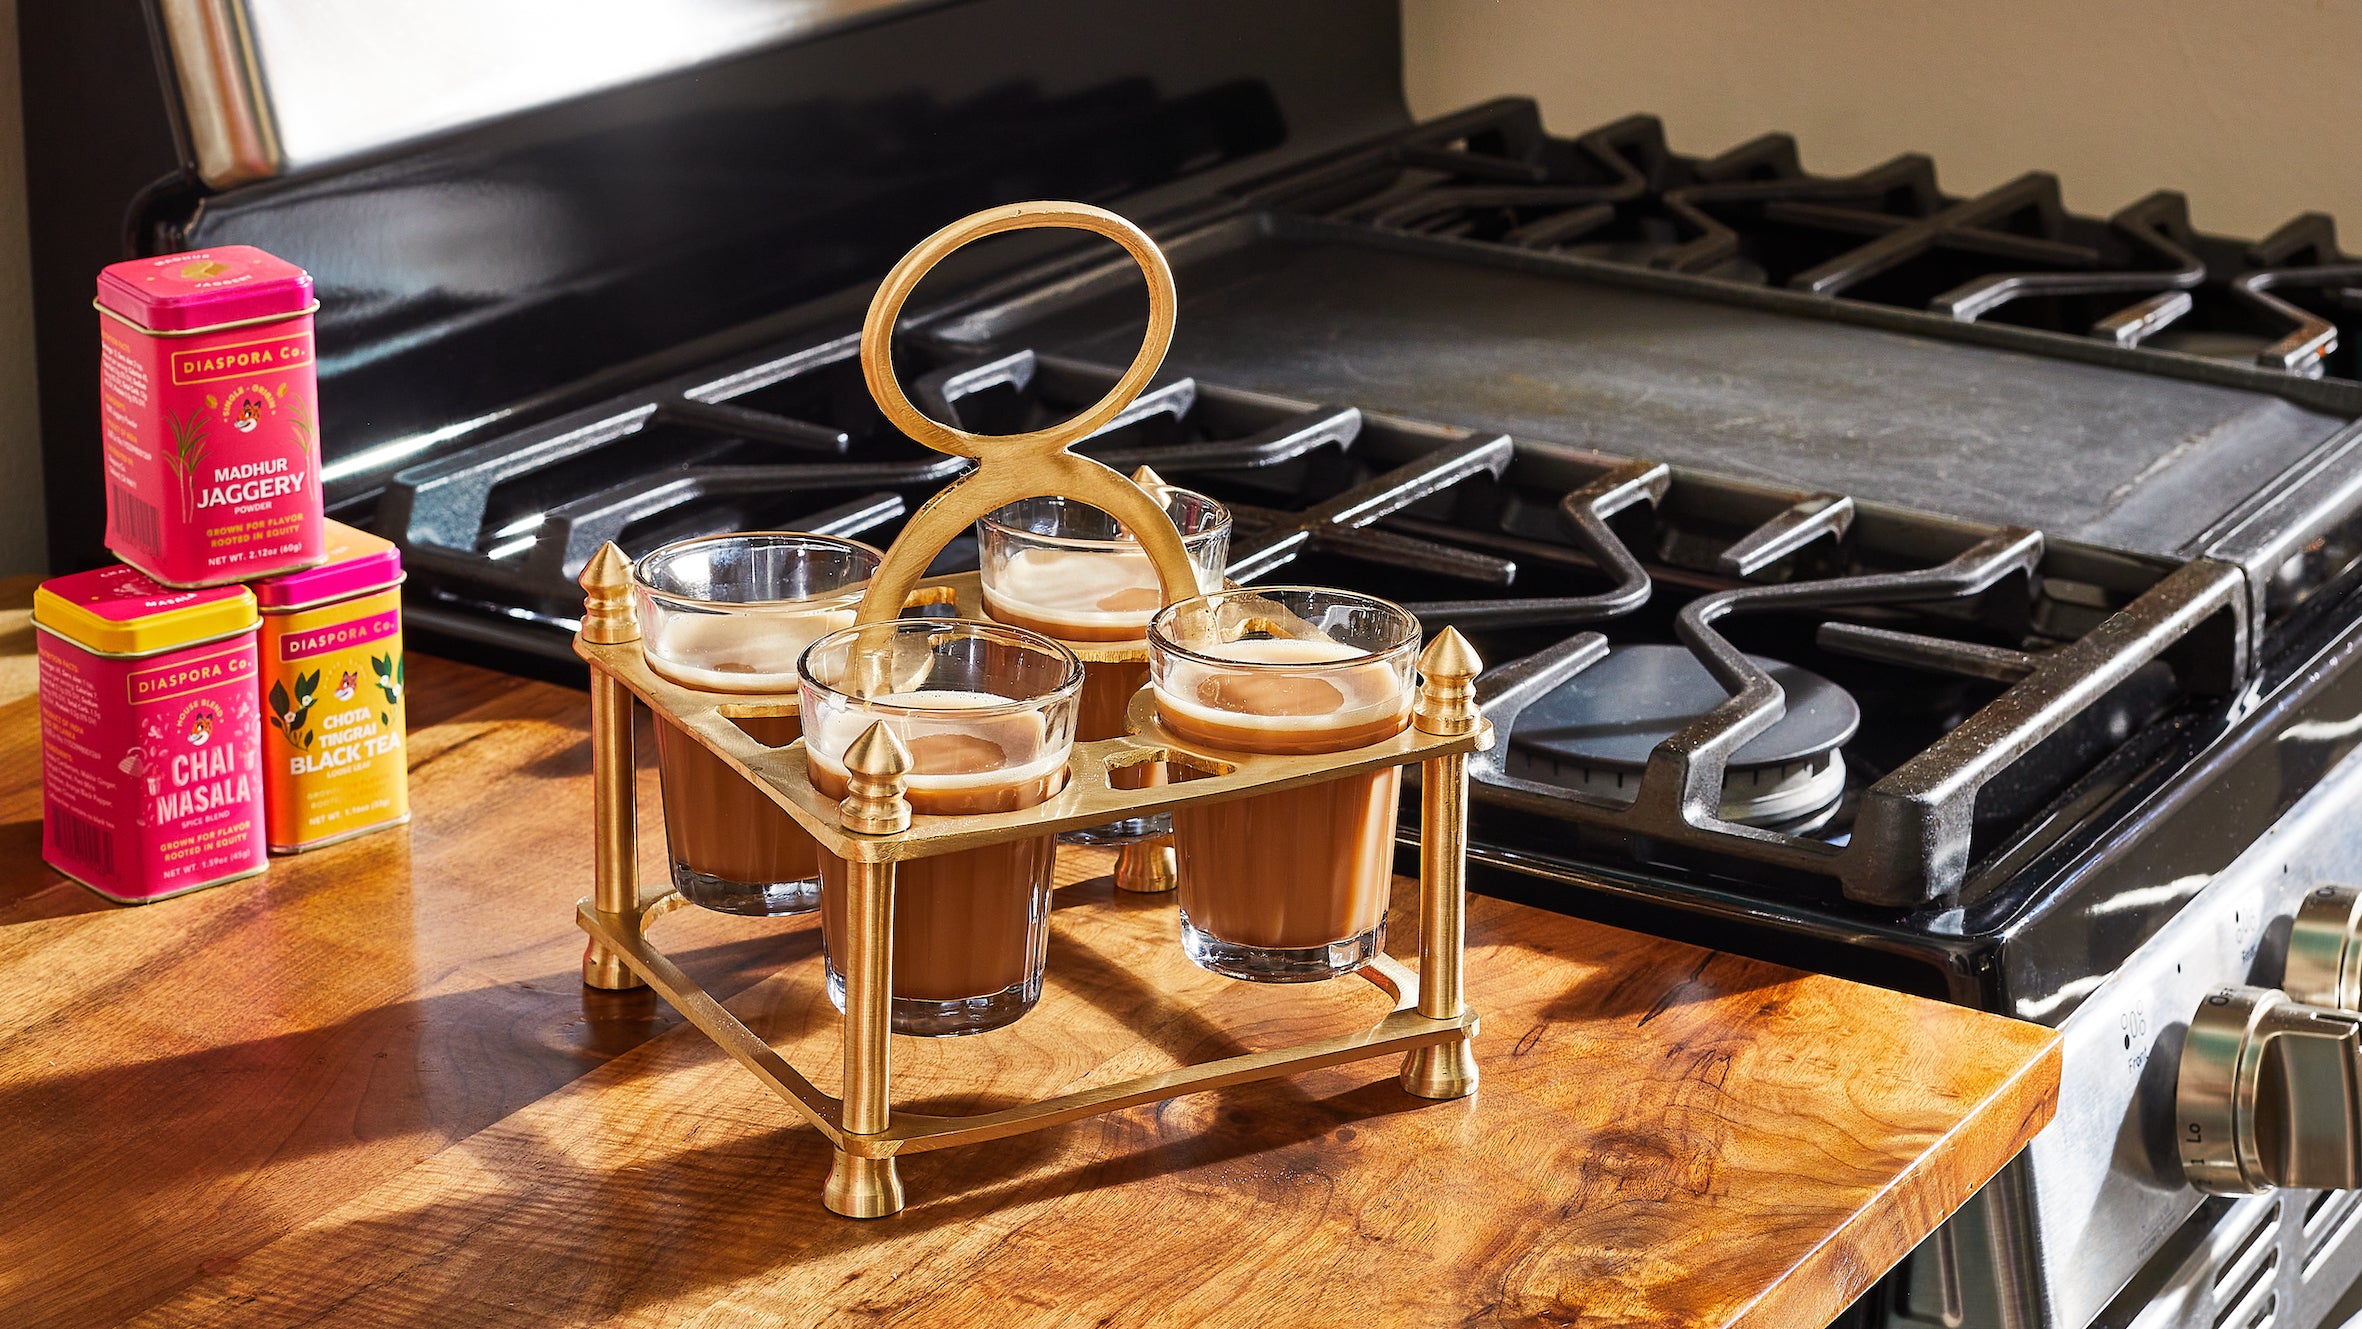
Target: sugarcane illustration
{"points": [[303, 425], [188, 449]]}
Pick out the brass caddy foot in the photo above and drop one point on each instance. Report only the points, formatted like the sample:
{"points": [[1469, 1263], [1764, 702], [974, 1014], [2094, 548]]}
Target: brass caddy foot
{"points": [[862, 1187], [872, 828], [1148, 867], [1446, 1070]]}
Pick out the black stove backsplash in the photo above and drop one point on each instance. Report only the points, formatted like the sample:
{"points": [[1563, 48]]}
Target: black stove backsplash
{"points": [[489, 277]]}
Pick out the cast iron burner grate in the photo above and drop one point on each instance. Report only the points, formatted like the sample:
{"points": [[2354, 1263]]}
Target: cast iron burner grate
{"points": [[507, 525], [1887, 235], [1993, 675], [2014, 658]]}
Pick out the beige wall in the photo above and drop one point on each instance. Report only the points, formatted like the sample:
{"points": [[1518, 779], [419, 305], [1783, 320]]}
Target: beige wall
{"points": [[2247, 106], [21, 526]]}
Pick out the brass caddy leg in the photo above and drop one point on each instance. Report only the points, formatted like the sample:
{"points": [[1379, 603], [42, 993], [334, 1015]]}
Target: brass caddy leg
{"points": [[858, 1186], [1147, 867], [609, 618], [1447, 706]]}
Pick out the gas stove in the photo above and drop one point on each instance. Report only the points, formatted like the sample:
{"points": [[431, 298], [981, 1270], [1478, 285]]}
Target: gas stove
{"points": [[1941, 644], [2023, 612], [1954, 594]]}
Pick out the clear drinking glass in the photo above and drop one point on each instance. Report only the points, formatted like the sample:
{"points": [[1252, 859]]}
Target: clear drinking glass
{"points": [[730, 614], [1286, 887], [987, 713], [1070, 572]]}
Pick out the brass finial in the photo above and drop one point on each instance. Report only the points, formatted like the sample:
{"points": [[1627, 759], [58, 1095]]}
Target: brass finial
{"points": [[1149, 480], [1447, 694], [608, 614], [874, 769]]}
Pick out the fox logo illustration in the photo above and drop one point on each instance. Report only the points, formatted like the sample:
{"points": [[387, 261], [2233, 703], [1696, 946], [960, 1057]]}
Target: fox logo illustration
{"points": [[246, 413], [346, 686]]}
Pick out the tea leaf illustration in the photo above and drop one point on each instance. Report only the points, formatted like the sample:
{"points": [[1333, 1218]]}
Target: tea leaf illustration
{"points": [[288, 714], [389, 677]]}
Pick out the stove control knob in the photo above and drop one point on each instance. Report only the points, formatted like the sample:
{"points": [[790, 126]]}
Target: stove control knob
{"points": [[2325, 950], [2270, 1095]]}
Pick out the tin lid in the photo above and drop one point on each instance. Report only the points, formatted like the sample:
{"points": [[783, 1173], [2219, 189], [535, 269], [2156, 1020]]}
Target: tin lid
{"points": [[118, 611], [357, 561], [204, 288]]}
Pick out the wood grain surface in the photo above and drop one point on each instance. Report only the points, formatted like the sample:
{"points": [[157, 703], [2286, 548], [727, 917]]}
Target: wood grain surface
{"points": [[368, 1089]]}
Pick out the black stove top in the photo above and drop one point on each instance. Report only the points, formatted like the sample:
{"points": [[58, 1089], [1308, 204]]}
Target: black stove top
{"points": [[1869, 637], [1888, 235], [2129, 449]]}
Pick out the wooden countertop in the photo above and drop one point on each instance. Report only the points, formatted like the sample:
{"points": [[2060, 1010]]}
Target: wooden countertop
{"points": [[367, 1088]]}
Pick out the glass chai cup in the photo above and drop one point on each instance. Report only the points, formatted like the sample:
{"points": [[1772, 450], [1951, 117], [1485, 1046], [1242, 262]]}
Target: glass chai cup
{"points": [[1072, 573], [987, 713], [731, 614], [1291, 886]]}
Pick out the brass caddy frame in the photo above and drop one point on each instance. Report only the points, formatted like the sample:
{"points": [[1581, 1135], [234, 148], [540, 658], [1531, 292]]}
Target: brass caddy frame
{"points": [[873, 828]]}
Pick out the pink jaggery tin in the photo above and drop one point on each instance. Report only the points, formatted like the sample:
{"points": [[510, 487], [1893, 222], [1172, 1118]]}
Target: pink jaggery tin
{"points": [[151, 734], [209, 415]]}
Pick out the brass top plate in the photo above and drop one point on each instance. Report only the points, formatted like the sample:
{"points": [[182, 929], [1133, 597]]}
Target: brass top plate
{"points": [[1089, 799]]}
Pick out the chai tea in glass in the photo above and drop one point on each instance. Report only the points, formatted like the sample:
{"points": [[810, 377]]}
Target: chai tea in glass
{"points": [[1286, 887], [730, 614], [1071, 572], [987, 713]]}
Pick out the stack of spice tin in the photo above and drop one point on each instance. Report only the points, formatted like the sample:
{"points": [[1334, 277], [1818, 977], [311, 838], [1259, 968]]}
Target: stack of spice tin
{"points": [[235, 688]]}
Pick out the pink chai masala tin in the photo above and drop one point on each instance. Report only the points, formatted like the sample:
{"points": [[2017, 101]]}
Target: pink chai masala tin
{"points": [[151, 734], [209, 415]]}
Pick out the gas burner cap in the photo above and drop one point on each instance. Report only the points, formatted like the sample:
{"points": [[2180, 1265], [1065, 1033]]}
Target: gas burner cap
{"points": [[1595, 731]]}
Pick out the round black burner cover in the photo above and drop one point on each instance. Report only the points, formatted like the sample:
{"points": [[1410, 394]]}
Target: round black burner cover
{"points": [[1611, 715]]}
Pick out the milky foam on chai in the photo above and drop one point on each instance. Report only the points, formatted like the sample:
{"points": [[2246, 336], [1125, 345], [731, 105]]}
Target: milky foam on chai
{"points": [[1081, 594], [950, 747], [750, 650], [1322, 697]]}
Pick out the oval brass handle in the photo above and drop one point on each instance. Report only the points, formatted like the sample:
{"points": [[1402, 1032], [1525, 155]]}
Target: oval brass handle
{"points": [[1012, 467]]}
